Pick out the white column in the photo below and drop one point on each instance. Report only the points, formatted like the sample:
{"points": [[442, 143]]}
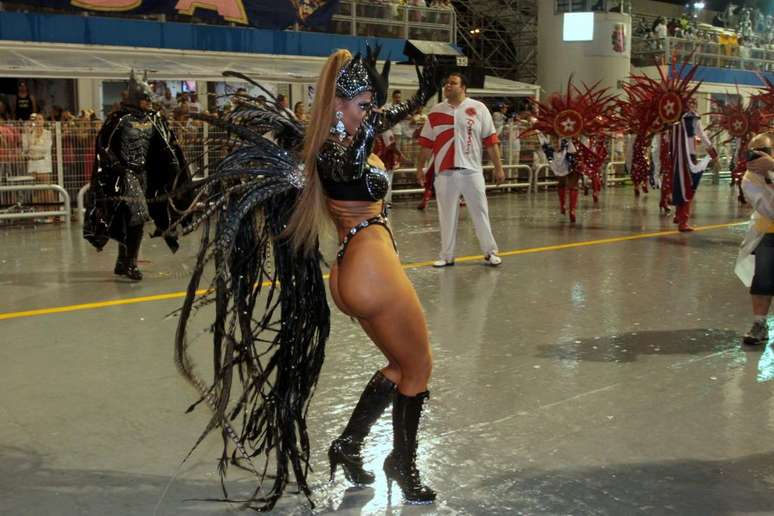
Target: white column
{"points": [[89, 95], [297, 94]]}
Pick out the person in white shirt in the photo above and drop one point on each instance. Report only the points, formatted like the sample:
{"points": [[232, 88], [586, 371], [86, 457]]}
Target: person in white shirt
{"points": [[755, 263], [194, 106], [660, 32], [397, 130], [454, 134], [499, 119], [36, 147]]}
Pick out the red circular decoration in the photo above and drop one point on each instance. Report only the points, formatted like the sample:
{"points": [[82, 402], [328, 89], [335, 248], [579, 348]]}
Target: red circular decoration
{"points": [[738, 125], [670, 107], [568, 123]]}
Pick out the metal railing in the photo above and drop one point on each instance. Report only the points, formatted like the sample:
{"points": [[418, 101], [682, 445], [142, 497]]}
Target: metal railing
{"points": [[393, 20], [10, 213], [571, 6], [648, 51], [72, 161], [62, 154], [611, 177]]}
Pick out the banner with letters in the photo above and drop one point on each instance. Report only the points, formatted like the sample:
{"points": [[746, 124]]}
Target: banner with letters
{"points": [[270, 14]]}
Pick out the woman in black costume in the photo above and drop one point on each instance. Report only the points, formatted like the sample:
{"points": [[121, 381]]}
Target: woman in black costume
{"points": [[270, 216]]}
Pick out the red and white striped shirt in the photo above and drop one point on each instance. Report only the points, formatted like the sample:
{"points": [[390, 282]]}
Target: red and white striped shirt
{"points": [[457, 135]]}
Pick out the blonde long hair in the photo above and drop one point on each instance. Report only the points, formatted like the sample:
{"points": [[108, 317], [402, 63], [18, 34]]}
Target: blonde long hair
{"points": [[310, 217]]}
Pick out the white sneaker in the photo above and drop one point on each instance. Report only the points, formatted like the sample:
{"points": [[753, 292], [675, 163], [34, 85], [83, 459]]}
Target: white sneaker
{"points": [[493, 260], [443, 263]]}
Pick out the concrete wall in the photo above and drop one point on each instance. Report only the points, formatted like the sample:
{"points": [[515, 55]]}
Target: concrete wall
{"points": [[89, 95], [558, 59]]}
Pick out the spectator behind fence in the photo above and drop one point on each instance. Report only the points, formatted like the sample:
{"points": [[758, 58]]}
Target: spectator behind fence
{"points": [[56, 114], [5, 111], [36, 149], [9, 150], [284, 104], [299, 110], [194, 106], [25, 103], [167, 103]]}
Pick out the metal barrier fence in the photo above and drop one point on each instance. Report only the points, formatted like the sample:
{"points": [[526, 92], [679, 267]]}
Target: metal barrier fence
{"points": [[646, 51], [61, 155], [392, 20], [18, 210]]}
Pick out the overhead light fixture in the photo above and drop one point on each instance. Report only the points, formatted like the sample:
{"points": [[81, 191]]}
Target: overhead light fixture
{"points": [[698, 5]]}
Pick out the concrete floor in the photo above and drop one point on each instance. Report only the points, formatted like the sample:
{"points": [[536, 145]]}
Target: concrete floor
{"points": [[600, 379]]}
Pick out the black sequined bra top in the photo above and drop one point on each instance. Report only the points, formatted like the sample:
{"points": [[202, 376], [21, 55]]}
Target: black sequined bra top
{"points": [[345, 179]]}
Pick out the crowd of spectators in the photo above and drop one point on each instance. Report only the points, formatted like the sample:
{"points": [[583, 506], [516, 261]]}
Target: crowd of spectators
{"points": [[738, 32], [392, 15]]}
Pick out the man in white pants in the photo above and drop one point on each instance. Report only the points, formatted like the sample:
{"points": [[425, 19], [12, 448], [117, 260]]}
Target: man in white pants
{"points": [[455, 133]]}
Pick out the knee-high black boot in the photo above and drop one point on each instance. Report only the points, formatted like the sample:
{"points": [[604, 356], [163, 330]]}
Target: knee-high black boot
{"points": [[346, 449], [121, 261], [401, 464], [133, 241]]}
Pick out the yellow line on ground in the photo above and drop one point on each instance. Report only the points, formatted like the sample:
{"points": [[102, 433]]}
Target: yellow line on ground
{"points": [[584, 243], [414, 265]]}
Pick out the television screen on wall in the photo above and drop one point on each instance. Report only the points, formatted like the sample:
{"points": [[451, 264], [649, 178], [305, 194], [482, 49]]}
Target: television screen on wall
{"points": [[578, 27]]}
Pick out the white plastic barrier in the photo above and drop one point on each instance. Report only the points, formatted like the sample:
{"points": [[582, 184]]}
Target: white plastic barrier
{"points": [[81, 203], [64, 212], [507, 184], [610, 177], [546, 182]]}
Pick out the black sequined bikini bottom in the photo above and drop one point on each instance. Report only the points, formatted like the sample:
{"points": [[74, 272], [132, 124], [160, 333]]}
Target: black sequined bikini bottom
{"points": [[379, 220]]}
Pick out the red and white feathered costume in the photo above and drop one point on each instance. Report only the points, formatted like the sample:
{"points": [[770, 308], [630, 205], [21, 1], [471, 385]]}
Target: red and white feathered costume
{"points": [[662, 107], [584, 111]]}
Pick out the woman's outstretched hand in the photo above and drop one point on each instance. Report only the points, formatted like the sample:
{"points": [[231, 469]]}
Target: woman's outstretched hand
{"points": [[428, 82], [381, 81]]}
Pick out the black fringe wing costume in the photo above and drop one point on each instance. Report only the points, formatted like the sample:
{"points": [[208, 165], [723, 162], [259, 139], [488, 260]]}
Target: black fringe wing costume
{"points": [[271, 314]]}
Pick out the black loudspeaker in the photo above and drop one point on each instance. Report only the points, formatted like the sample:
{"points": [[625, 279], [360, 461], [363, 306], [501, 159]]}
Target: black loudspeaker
{"points": [[8, 85], [449, 60]]}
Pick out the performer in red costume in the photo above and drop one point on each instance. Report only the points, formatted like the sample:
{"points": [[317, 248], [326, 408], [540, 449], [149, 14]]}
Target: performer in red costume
{"points": [[741, 123], [585, 111], [686, 168], [667, 106]]}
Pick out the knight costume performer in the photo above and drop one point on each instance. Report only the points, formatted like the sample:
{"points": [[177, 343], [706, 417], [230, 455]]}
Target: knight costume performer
{"points": [[138, 165], [265, 205]]}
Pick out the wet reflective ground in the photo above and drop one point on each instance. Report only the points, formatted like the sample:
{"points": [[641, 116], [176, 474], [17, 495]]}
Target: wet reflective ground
{"points": [[602, 379]]}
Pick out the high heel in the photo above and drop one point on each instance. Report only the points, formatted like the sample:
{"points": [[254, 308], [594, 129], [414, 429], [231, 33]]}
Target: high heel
{"points": [[345, 451], [347, 455], [401, 464]]}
